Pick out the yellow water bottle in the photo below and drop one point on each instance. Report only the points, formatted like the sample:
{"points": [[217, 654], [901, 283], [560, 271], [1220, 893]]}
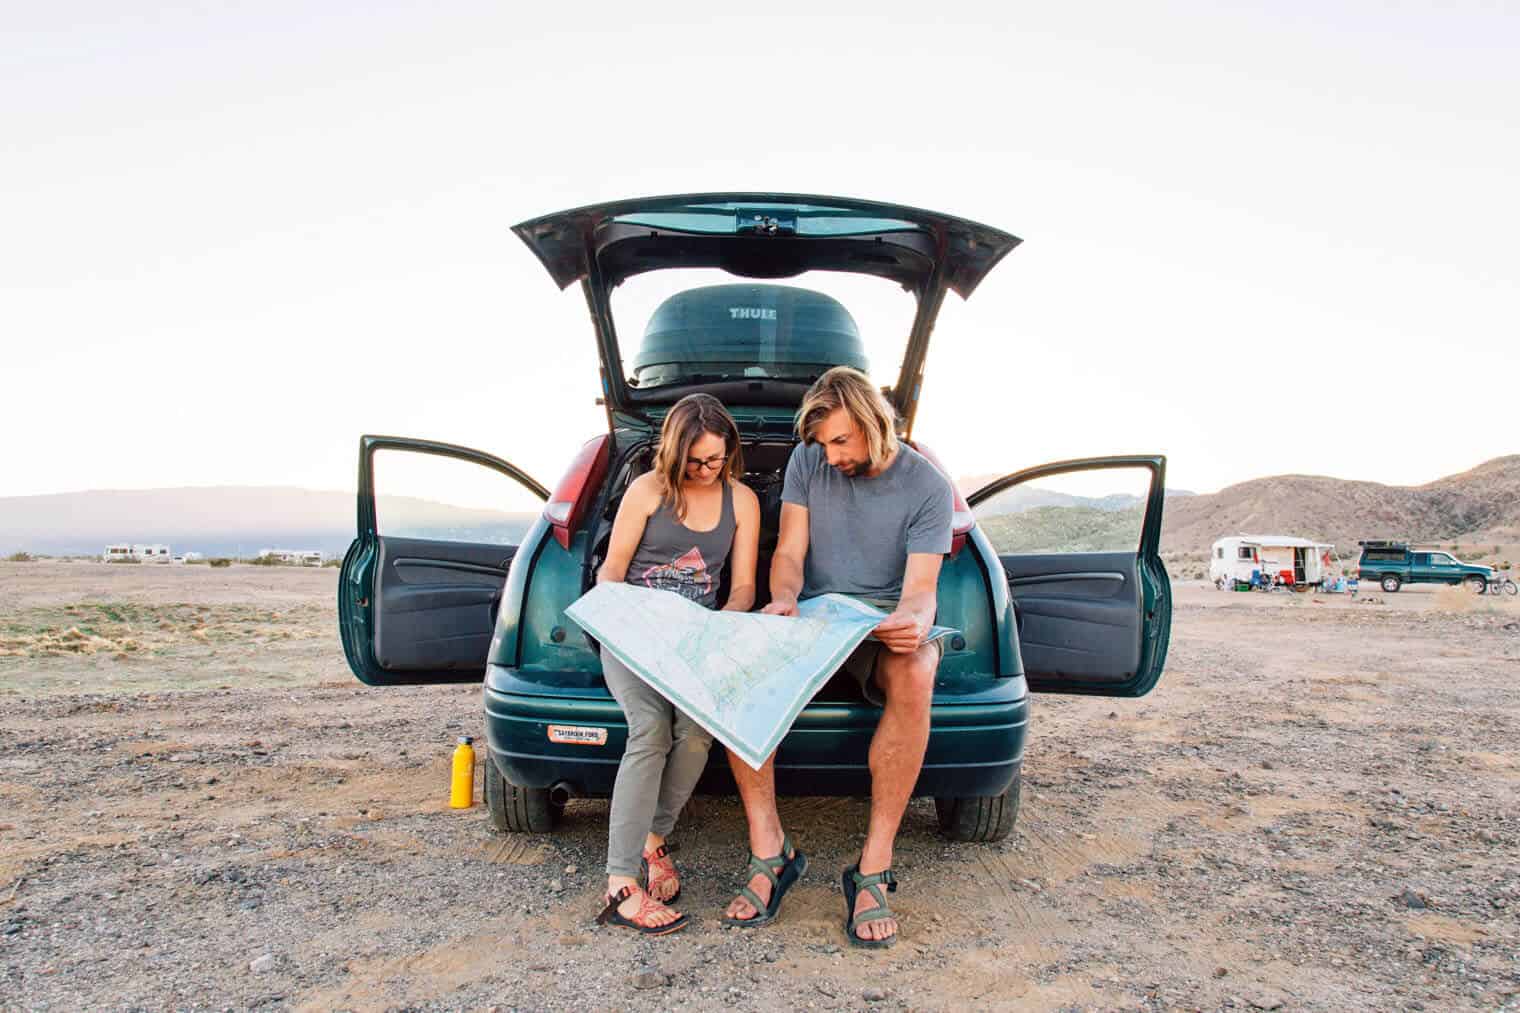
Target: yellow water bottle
{"points": [[462, 783]]}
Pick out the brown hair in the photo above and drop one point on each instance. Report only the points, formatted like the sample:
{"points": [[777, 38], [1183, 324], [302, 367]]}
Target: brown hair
{"points": [[850, 389], [692, 416]]}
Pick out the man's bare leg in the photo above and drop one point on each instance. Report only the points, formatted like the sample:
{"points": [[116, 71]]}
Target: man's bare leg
{"points": [[757, 790], [897, 756]]}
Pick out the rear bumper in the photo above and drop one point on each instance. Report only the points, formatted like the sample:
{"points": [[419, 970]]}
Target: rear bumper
{"points": [[976, 739]]}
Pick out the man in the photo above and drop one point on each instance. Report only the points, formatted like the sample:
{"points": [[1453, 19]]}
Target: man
{"points": [[866, 515]]}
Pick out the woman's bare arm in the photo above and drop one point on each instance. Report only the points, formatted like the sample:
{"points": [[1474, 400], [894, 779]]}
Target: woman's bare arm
{"points": [[639, 502], [746, 549]]}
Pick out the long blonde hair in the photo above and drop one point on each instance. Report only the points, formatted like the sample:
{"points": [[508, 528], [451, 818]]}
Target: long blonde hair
{"points": [[850, 389], [692, 416]]}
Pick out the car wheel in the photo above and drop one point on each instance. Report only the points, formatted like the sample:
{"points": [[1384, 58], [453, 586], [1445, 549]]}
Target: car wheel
{"points": [[1477, 585], [1510, 588], [979, 818], [1391, 583], [517, 810]]}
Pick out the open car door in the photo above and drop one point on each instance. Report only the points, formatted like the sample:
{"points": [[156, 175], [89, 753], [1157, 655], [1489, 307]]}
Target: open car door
{"points": [[421, 584], [1079, 545]]}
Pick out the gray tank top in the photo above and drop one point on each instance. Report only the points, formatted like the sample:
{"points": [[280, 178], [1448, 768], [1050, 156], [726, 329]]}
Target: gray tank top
{"points": [[672, 557]]}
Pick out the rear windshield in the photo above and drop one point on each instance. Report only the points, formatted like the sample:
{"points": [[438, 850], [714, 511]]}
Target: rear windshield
{"points": [[1387, 555], [726, 218], [702, 325]]}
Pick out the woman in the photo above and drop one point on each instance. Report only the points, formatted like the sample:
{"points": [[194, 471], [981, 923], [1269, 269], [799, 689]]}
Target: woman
{"points": [[675, 528]]}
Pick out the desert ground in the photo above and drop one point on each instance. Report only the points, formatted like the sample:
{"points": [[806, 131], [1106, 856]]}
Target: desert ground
{"points": [[200, 808]]}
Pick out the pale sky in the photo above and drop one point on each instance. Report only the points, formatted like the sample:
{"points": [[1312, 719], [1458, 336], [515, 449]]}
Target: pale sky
{"points": [[1257, 242]]}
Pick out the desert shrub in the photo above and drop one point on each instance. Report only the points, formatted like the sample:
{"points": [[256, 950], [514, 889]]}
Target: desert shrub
{"points": [[265, 561], [332, 562], [20, 557], [124, 559], [195, 562], [219, 561]]}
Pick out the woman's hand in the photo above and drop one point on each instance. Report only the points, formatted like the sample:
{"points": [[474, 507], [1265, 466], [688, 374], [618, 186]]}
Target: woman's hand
{"points": [[780, 607]]}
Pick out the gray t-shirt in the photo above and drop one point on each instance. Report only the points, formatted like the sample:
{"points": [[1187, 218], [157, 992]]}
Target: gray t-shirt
{"points": [[861, 530]]}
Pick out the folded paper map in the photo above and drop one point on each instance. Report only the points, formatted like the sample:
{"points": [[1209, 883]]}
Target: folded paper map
{"points": [[742, 676]]}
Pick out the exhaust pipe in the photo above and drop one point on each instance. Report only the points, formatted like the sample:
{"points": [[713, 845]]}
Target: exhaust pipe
{"points": [[561, 793]]}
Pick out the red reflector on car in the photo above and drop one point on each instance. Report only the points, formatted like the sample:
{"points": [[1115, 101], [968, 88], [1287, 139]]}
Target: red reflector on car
{"points": [[962, 520], [572, 497]]}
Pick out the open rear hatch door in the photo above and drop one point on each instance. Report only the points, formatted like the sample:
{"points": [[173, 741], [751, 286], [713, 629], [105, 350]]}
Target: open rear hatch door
{"points": [[762, 236]]}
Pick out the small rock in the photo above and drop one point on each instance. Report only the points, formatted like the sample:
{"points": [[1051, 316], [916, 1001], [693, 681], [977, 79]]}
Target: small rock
{"points": [[1220, 972], [937, 917], [570, 870], [649, 978], [1268, 765], [11, 928], [556, 885], [1031, 885], [1408, 898], [1488, 836], [261, 964], [1112, 715], [874, 995]]}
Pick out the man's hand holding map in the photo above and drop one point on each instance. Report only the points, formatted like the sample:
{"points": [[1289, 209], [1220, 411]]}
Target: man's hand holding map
{"points": [[742, 676]]}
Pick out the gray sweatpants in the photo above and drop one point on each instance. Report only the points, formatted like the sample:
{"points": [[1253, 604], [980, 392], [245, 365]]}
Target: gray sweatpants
{"points": [[665, 756]]}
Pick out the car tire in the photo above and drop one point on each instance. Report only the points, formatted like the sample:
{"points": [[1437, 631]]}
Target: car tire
{"points": [[514, 809], [1391, 583], [979, 818], [1477, 585]]}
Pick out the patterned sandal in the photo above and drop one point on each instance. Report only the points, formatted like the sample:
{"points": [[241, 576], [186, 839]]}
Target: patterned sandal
{"points": [[781, 871], [853, 882], [640, 922], [658, 868]]}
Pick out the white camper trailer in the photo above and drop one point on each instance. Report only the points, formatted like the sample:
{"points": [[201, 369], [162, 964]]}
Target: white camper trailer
{"points": [[1265, 560]]}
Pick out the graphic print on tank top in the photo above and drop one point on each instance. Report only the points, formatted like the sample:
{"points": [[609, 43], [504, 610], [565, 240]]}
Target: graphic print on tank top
{"points": [[686, 575]]}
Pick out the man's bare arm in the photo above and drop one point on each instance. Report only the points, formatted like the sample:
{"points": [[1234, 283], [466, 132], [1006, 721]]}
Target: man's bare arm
{"points": [[786, 562], [904, 630]]}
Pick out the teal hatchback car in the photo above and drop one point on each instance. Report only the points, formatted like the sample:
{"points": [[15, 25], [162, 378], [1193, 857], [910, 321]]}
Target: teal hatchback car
{"points": [[1053, 581]]}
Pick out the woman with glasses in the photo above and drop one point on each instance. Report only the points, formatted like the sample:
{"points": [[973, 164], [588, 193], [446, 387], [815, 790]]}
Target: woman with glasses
{"points": [[677, 526]]}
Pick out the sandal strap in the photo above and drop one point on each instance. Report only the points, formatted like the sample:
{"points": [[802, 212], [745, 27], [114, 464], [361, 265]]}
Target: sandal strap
{"points": [[661, 852], [647, 906], [885, 876], [766, 866], [874, 914], [612, 904], [754, 900]]}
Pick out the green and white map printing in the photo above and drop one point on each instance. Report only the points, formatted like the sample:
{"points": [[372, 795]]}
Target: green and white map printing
{"points": [[742, 676]]}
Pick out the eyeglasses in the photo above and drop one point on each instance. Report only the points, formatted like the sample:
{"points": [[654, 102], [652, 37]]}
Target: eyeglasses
{"points": [[712, 463]]}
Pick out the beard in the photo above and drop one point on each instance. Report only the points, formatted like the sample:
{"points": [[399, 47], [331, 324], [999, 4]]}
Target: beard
{"points": [[851, 469]]}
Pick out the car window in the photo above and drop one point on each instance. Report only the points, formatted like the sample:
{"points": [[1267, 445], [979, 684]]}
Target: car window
{"points": [[430, 496], [703, 325], [1102, 510]]}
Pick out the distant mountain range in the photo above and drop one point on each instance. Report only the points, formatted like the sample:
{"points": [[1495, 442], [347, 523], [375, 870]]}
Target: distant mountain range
{"points": [[1478, 505], [230, 520]]}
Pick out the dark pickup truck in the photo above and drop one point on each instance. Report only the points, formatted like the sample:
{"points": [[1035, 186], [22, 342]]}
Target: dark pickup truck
{"points": [[1394, 564]]}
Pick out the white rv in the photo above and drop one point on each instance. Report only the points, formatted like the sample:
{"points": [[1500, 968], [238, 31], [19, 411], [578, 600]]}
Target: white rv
{"points": [[1270, 559]]}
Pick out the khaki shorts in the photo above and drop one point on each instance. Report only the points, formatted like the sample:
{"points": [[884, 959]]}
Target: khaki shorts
{"points": [[861, 666]]}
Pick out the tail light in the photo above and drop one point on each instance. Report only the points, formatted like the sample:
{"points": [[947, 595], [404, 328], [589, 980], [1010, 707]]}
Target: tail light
{"points": [[572, 497], [961, 518]]}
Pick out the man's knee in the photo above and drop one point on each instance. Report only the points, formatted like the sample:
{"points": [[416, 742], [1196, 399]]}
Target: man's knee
{"points": [[909, 676]]}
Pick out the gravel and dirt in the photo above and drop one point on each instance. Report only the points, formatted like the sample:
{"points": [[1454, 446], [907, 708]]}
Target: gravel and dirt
{"points": [[201, 809]]}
